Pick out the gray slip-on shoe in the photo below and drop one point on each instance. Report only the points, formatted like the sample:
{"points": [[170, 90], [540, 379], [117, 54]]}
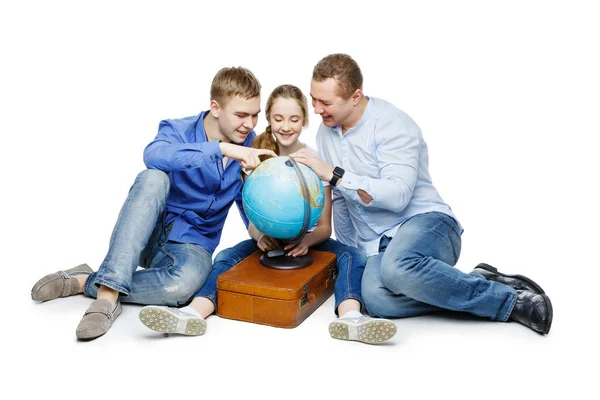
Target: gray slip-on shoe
{"points": [[59, 284], [97, 319], [363, 329], [172, 320]]}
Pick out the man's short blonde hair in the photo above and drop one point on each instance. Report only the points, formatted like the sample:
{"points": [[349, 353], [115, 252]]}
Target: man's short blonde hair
{"points": [[343, 69], [234, 81]]}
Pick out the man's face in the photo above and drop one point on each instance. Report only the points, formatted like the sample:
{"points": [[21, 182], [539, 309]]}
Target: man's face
{"points": [[332, 108], [238, 117]]}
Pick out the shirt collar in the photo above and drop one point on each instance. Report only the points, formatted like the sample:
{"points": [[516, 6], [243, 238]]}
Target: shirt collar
{"points": [[200, 133]]}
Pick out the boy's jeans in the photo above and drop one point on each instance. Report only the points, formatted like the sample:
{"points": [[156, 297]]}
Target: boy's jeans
{"points": [[173, 271]]}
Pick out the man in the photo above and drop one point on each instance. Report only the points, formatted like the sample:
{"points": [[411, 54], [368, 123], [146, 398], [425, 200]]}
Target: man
{"points": [[172, 219], [385, 203]]}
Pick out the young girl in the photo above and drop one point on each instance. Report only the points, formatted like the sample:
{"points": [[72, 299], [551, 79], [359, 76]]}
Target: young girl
{"points": [[287, 114]]}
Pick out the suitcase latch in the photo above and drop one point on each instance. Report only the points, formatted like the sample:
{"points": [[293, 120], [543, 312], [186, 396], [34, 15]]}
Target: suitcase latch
{"points": [[332, 275], [304, 299]]}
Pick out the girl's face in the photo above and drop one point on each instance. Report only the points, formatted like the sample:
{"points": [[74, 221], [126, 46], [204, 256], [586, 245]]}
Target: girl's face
{"points": [[286, 121]]}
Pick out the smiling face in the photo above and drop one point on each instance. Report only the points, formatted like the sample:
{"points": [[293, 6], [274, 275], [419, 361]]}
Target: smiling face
{"points": [[333, 109], [237, 117], [286, 120]]}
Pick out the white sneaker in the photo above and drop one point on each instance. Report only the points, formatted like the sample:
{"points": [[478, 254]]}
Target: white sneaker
{"points": [[363, 329], [172, 320]]}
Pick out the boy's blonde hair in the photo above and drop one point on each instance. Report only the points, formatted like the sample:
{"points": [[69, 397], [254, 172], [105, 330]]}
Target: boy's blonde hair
{"points": [[234, 81]]}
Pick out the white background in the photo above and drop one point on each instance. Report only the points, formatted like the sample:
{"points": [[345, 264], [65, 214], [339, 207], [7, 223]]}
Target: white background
{"points": [[506, 94]]}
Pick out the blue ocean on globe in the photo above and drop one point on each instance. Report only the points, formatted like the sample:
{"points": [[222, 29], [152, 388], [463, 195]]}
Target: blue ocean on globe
{"points": [[273, 199]]}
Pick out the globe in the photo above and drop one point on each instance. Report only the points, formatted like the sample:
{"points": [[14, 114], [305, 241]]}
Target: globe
{"points": [[273, 199]]}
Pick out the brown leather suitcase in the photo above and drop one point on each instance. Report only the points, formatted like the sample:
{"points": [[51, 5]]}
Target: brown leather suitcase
{"points": [[252, 292]]}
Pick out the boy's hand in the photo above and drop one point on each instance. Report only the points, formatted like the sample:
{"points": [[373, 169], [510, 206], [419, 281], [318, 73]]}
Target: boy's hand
{"points": [[267, 243], [247, 156]]}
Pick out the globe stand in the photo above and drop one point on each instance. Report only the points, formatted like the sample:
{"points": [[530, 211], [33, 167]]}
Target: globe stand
{"points": [[279, 261], [286, 262]]}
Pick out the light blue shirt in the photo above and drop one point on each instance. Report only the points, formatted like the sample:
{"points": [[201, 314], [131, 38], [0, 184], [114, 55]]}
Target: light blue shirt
{"points": [[386, 156]]}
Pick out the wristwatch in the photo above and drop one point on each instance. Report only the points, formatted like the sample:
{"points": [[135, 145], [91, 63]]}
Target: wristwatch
{"points": [[337, 174]]}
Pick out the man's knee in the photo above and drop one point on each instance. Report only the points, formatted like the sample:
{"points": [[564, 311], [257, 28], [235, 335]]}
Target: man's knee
{"points": [[399, 273]]}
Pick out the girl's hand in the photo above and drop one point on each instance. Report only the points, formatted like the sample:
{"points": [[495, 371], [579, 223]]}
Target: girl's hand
{"points": [[297, 250], [267, 243]]}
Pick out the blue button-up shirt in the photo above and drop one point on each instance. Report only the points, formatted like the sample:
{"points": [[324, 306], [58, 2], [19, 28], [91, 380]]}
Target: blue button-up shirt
{"points": [[202, 191], [386, 156]]}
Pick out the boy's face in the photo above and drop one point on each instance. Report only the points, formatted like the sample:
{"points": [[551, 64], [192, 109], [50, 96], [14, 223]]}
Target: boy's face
{"points": [[238, 117], [332, 108]]}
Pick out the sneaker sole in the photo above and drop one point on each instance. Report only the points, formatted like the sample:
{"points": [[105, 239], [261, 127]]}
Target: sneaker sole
{"points": [[374, 331], [531, 283], [164, 321]]}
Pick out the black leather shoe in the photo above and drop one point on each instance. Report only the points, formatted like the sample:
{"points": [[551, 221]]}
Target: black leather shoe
{"points": [[517, 282], [533, 310]]}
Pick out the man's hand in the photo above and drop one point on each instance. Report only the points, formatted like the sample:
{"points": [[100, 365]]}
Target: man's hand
{"points": [[247, 156], [321, 168], [364, 196], [267, 243], [297, 250]]}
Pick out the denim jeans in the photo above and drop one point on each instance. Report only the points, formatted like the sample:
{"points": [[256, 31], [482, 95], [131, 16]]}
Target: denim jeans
{"points": [[173, 271], [413, 274], [350, 267]]}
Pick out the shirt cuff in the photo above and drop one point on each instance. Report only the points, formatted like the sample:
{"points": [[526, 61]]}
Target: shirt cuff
{"points": [[213, 151], [350, 185], [351, 181]]}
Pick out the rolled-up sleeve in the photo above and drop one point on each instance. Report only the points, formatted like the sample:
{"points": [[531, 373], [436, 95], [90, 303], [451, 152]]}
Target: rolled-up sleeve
{"points": [[169, 152], [397, 144]]}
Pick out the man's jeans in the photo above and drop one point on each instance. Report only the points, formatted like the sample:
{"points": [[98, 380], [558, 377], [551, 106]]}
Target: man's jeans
{"points": [[413, 274], [350, 267], [173, 271]]}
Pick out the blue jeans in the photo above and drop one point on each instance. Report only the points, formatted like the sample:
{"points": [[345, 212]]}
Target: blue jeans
{"points": [[173, 271], [350, 267], [413, 274]]}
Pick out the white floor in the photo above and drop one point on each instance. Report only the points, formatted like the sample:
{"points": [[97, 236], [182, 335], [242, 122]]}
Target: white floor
{"points": [[442, 355], [506, 96]]}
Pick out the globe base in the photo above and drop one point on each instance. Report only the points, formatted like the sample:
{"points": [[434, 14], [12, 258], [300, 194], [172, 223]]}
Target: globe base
{"points": [[286, 262]]}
